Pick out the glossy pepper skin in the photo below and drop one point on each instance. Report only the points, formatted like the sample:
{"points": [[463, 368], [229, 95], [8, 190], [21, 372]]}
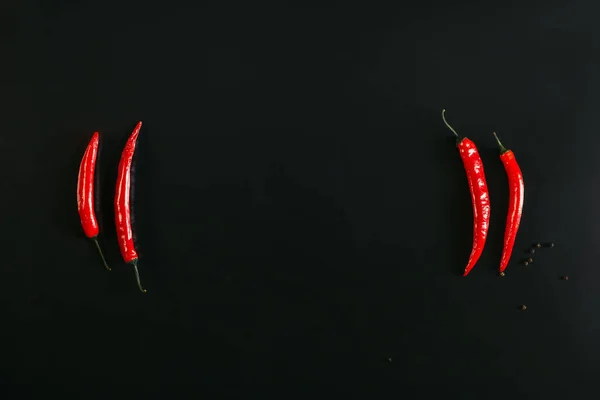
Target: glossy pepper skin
{"points": [[123, 205], [86, 193], [480, 197], [516, 198], [85, 188]]}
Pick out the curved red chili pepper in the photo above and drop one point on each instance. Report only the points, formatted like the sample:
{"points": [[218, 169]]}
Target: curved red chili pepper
{"points": [[86, 193], [516, 198], [122, 205], [480, 196]]}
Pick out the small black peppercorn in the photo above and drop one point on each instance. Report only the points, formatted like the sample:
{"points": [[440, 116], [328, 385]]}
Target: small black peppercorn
{"points": [[550, 244], [565, 278], [530, 260], [502, 273], [537, 245], [523, 307]]}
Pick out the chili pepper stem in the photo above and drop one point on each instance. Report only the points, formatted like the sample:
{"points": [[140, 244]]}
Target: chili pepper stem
{"points": [[101, 255], [447, 124], [137, 274], [502, 148]]}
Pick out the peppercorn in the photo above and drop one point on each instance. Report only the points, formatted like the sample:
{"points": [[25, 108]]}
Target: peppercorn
{"points": [[523, 307]]}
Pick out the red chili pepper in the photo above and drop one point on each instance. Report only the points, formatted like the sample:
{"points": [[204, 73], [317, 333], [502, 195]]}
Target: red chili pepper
{"points": [[480, 196], [122, 205], [516, 198], [86, 193]]}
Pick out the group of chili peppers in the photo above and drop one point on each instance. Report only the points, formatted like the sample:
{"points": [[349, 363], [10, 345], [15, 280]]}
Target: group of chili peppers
{"points": [[480, 198], [468, 152], [86, 199]]}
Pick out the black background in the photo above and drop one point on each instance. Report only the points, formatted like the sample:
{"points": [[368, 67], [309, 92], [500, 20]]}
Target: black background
{"points": [[303, 216]]}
